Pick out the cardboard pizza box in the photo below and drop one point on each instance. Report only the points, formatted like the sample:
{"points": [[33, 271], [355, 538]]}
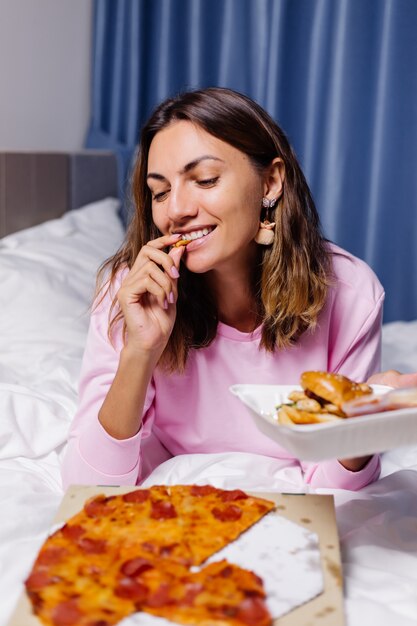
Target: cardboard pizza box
{"points": [[314, 512]]}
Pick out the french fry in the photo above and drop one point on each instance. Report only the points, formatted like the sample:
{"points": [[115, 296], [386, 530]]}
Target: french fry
{"points": [[289, 415], [181, 242], [283, 417]]}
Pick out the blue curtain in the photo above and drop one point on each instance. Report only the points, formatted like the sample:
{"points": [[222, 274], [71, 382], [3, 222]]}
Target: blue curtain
{"points": [[340, 76]]}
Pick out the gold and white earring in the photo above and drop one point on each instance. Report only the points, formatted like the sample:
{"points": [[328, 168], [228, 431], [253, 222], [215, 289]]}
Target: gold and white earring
{"points": [[265, 235]]}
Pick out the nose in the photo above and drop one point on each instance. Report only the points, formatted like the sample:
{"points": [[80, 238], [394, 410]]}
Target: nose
{"points": [[180, 205]]}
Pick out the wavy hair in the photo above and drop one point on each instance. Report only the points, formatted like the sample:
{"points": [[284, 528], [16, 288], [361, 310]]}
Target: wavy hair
{"points": [[291, 279]]}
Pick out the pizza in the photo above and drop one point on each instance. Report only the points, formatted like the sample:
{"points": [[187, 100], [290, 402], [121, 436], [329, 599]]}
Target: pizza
{"points": [[142, 551]]}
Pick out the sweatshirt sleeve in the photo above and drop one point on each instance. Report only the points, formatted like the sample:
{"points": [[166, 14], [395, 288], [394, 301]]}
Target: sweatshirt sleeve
{"points": [[355, 320], [362, 357], [355, 351], [92, 455], [332, 474]]}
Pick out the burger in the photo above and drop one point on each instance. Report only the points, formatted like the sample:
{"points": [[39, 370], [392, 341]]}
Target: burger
{"points": [[321, 399]]}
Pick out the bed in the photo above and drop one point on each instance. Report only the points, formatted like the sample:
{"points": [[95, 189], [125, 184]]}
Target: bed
{"points": [[56, 236]]}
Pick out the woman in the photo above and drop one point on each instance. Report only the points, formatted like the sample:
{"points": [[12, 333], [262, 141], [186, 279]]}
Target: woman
{"points": [[257, 296]]}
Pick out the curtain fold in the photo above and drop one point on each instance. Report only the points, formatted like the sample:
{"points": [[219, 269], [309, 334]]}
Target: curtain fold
{"points": [[340, 77]]}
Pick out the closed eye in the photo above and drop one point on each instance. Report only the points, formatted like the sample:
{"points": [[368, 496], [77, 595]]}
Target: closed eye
{"points": [[208, 182], [159, 197]]}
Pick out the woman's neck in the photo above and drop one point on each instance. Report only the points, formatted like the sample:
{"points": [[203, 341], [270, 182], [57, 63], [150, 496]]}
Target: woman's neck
{"points": [[236, 305]]}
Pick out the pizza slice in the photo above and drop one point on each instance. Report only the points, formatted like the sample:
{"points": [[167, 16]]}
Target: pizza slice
{"points": [[220, 594], [131, 552], [103, 592], [184, 523], [208, 518]]}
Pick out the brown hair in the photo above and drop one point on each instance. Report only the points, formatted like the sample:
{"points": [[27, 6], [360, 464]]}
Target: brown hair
{"points": [[291, 281]]}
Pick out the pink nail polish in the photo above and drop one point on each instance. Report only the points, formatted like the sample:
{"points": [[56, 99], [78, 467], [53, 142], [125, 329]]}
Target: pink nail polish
{"points": [[171, 298], [174, 272], [165, 303]]}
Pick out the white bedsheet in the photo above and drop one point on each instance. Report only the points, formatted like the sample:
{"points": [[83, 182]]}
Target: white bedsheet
{"points": [[47, 278]]}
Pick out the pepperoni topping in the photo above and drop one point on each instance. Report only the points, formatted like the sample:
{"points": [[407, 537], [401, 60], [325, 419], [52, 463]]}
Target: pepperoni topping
{"points": [[92, 546], [191, 592], [229, 514], [163, 509], [51, 555], [226, 571], [66, 614], [139, 495], [202, 490], [38, 580], [160, 597], [99, 507], [131, 589], [236, 494], [73, 532], [253, 612], [134, 567]]}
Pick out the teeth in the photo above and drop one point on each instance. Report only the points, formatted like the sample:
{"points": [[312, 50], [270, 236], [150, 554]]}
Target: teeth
{"points": [[196, 234]]}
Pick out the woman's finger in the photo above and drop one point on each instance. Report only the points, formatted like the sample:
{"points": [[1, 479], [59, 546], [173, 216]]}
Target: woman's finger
{"points": [[176, 254], [146, 286], [163, 242], [139, 281], [392, 378], [156, 290], [149, 253]]}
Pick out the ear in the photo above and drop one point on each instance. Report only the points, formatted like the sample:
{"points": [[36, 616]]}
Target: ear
{"points": [[274, 179]]}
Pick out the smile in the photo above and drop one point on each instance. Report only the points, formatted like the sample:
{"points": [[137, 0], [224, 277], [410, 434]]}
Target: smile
{"points": [[196, 234]]}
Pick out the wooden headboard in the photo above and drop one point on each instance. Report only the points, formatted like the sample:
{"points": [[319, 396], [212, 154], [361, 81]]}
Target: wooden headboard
{"points": [[37, 186]]}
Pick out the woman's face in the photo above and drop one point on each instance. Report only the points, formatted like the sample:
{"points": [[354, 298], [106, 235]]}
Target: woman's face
{"points": [[208, 191]]}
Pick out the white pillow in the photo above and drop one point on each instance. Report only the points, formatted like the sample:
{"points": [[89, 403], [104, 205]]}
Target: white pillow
{"points": [[47, 278]]}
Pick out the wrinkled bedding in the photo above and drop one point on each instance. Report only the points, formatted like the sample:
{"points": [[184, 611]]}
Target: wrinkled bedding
{"points": [[47, 277]]}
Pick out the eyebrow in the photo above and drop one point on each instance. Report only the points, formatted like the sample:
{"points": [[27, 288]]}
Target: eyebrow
{"points": [[188, 167]]}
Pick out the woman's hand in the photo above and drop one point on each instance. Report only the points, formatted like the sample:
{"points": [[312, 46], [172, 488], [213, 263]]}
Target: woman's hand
{"points": [[148, 295], [147, 298], [392, 378], [356, 464]]}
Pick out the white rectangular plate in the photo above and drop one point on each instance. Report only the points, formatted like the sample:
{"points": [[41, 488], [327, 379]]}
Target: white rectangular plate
{"points": [[350, 437]]}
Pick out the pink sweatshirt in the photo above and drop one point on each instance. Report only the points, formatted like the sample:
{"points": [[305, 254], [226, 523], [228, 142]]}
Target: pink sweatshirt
{"points": [[195, 412]]}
